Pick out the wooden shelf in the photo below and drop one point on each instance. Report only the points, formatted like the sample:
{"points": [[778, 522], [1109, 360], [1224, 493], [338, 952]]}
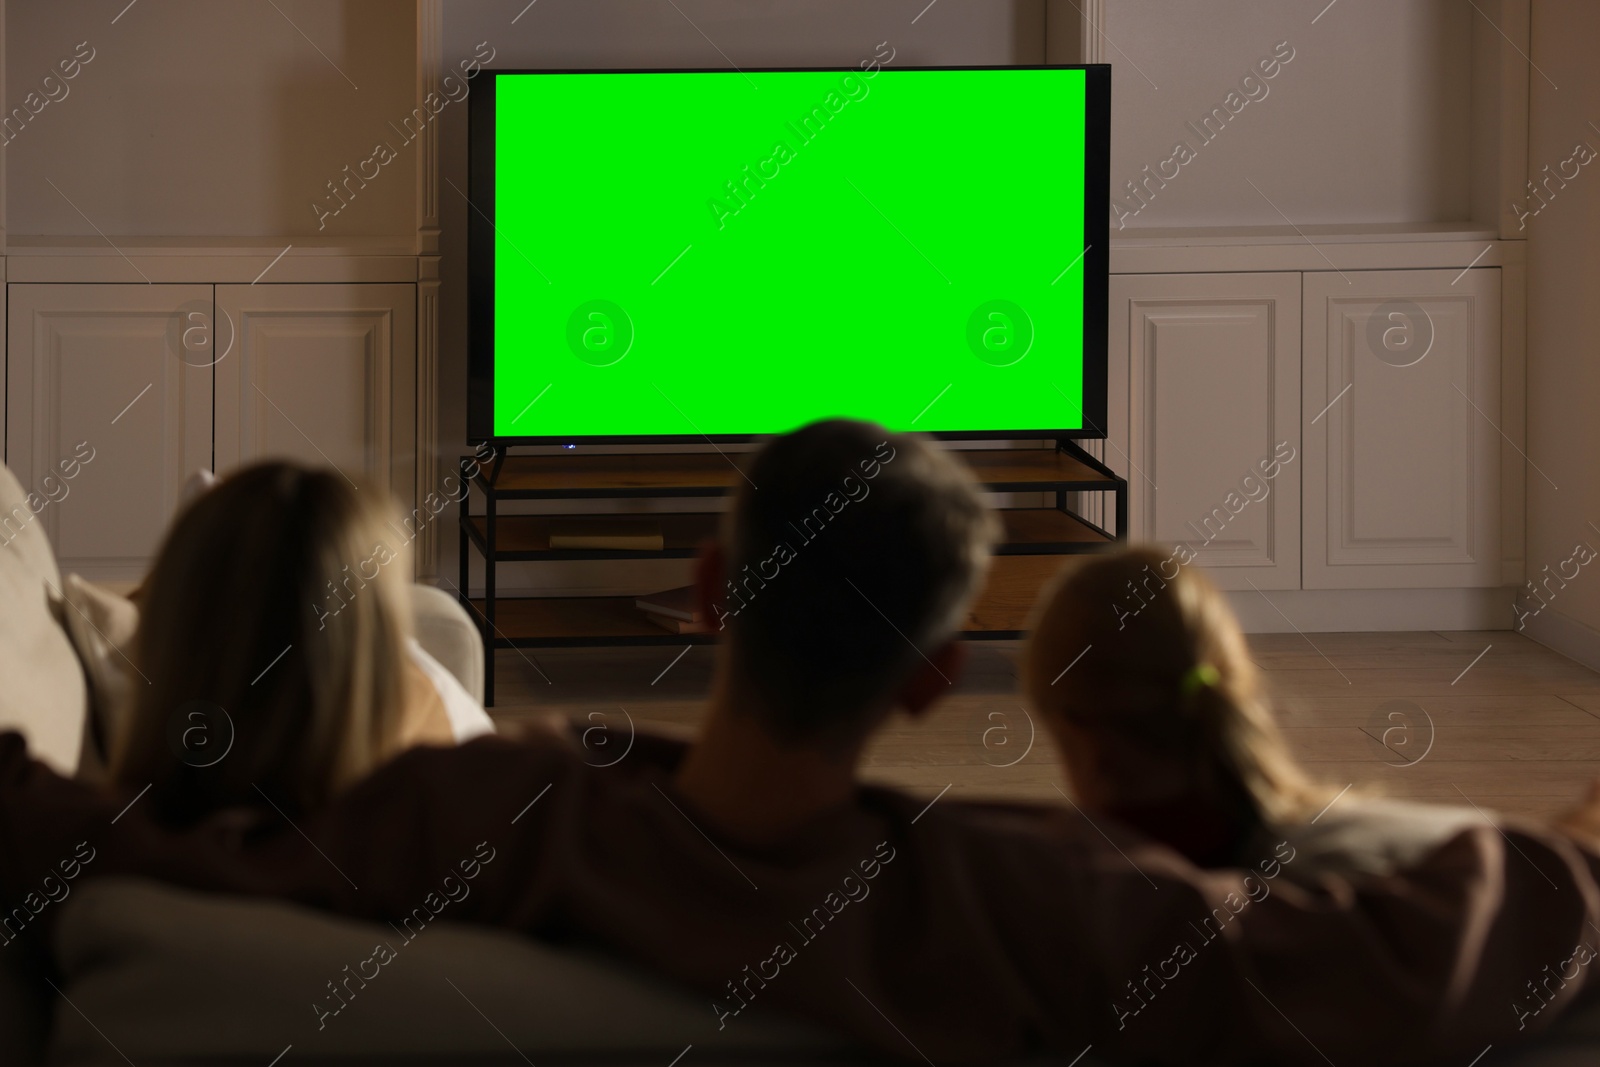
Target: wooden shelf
{"points": [[637, 474], [520, 538], [713, 473], [525, 538], [550, 622], [1030, 531], [1036, 542], [1001, 611], [1020, 470]]}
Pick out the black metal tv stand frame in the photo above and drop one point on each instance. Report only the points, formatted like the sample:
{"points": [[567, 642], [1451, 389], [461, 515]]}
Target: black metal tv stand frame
{"points": [[1035, 539]]}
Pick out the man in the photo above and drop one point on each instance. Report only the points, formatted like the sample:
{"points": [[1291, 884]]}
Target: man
{"points": [[754, 866]]}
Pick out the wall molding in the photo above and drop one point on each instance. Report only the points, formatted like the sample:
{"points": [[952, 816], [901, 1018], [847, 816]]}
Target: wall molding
{"points": [[430, 68], [5, 227], [426, 553], [1093, 14]]}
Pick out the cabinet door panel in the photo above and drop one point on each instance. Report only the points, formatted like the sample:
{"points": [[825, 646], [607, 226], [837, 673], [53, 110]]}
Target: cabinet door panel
{"points": [[1213, 394], [324, 374], [122, 373], [1402, 451]]}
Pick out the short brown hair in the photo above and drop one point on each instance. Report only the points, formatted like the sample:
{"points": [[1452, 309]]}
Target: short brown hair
{"points": [[280, 598], [851, 552]]}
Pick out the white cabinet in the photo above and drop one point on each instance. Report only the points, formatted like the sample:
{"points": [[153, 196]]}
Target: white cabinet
{"points": [[119, 372], [1402, 446], [160, 380], [1384, 385], [325, 374], [1207, 404]]}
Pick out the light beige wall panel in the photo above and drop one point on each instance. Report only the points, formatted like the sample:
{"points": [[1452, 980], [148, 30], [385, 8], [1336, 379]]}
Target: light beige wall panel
{"points": [[125, 371], [1500, 74], [1564, 326], [1369, 122], [1213, 380], [1402, 439], [744, 33], [219, 117], [1064, 31], [323, 374]]}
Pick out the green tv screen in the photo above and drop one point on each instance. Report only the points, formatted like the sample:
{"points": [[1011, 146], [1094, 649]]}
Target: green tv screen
{"points": [[722, 254]]}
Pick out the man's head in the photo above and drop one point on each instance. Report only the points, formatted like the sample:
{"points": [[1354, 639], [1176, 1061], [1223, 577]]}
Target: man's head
{"points": [[845, 569]]}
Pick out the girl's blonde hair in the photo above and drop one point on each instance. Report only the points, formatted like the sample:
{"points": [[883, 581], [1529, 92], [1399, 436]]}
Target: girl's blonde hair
{"points": [[280, 598], [1166, 671]]}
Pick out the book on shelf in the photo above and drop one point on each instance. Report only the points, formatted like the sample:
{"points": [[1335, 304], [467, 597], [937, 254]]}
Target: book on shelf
{"points": [[678, 604], [677, 626], [623, 535]]}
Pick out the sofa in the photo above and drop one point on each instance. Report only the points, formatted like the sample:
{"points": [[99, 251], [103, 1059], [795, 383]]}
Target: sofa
{"points": [[147, 974]]}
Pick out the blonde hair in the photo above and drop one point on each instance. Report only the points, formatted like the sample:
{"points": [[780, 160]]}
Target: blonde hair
{"points": [[278, 597], [1168, 674]]}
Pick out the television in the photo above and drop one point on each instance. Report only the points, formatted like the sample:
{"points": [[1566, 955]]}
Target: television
{"points": [[694, 255]]}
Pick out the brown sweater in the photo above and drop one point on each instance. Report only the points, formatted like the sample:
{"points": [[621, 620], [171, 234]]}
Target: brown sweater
{"points": [[973, 932]]}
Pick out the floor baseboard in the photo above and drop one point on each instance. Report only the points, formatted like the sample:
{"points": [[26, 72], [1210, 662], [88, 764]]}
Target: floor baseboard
{"points": [[1566, 635], [1371, 610]]}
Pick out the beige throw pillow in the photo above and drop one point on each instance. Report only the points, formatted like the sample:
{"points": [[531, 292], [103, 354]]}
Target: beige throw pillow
{"points": [[102, 626], [41, 688]]}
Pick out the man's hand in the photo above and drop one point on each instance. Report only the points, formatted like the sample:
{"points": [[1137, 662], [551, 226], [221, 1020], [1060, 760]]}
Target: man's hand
{"points": [[1583, 821]]}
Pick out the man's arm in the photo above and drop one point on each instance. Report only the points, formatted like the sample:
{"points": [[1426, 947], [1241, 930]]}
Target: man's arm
{"points": [[469, 834]]}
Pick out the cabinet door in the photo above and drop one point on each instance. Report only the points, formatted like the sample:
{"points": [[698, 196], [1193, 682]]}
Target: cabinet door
{"points": [[324, 374], [1402, 407], [1205, 413], [122, 373]]}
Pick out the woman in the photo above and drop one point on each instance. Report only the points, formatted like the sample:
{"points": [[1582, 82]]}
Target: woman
{"points": [[275, 647], [1143, 677]]}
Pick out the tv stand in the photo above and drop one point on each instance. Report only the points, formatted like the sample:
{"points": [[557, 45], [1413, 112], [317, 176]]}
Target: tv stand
{"points": [[1030, 552]]}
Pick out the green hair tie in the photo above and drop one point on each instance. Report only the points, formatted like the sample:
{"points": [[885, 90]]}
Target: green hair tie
{"points": [[1203, 675]]}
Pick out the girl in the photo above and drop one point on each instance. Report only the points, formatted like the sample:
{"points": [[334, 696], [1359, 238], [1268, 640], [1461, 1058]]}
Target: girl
{"points": [[1143, 677]]}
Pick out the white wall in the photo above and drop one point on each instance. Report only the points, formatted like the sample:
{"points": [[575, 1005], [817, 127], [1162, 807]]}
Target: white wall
{"points": [[1368, 123], [209, 117], [653, 33], [1564, 327]]}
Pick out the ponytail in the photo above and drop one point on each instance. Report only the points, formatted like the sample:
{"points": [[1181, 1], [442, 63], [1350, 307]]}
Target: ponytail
{"points": [[1175, 680]]}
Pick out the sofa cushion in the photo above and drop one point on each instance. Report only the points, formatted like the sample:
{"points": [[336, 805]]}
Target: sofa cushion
{"points": [[446, 630], [168, 974], [42, 690]]}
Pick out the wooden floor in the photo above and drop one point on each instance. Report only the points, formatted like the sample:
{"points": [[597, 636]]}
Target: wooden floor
{"points": [[1488, 718]]}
